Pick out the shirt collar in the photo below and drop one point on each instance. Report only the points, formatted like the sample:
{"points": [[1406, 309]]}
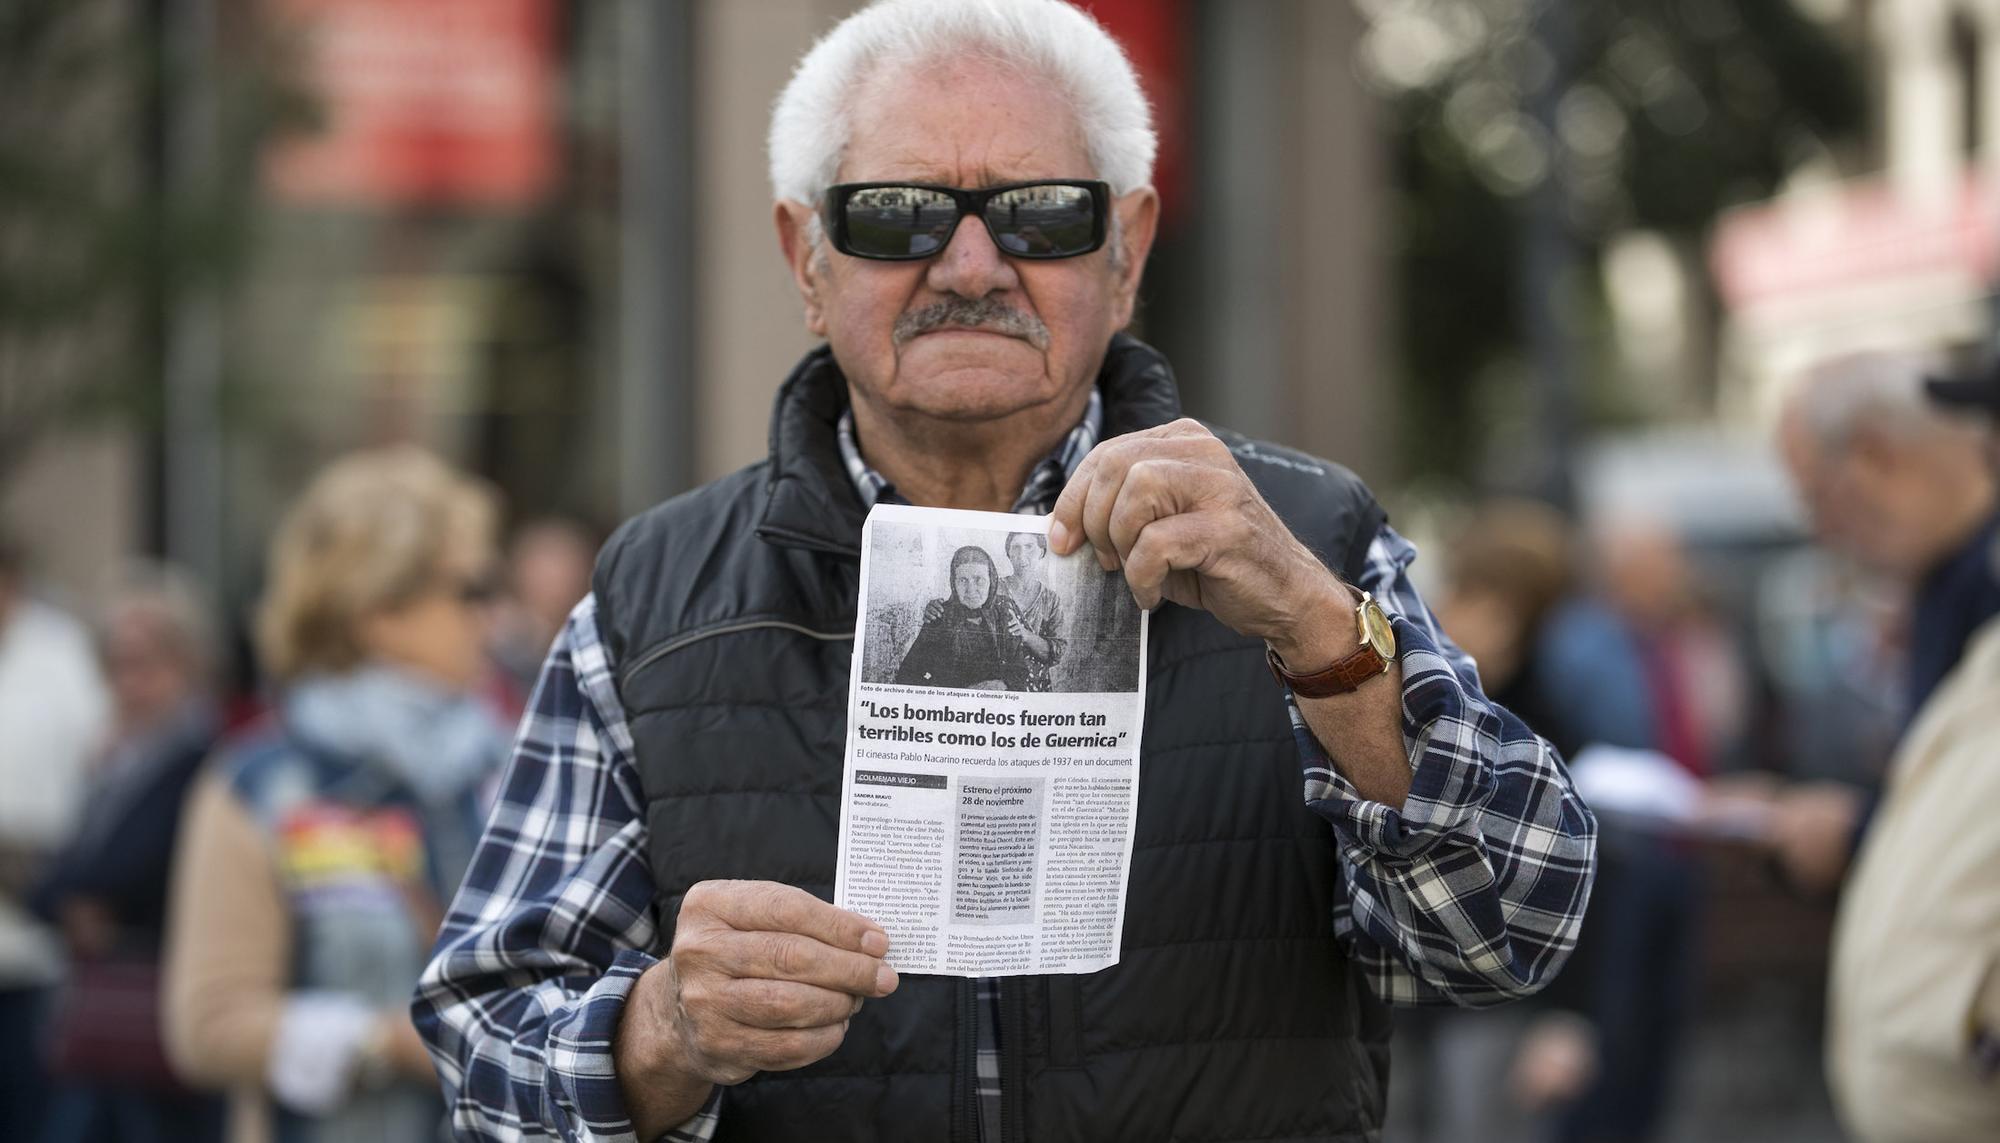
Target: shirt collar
{"points": [[1038, 495]]}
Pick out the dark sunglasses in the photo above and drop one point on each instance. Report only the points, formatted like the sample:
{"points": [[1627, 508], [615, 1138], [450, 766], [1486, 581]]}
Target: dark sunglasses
{"points": [[899, 222]]}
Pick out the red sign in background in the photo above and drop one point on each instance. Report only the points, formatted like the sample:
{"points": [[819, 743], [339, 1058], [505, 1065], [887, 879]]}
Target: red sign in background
{"points": [[1859, 234], [424, 101], [1154, 34]]}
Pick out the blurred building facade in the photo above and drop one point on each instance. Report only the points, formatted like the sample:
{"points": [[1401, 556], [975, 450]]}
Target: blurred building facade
{"points": [[536, 236], [1898, 252]]}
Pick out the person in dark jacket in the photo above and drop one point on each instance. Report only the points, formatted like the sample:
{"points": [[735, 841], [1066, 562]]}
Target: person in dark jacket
{"points": [[965, 641], [644, 945], [106, 889]]}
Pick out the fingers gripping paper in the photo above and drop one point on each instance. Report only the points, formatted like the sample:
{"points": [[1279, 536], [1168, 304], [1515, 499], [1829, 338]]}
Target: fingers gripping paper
{"points": [[992, 763]]}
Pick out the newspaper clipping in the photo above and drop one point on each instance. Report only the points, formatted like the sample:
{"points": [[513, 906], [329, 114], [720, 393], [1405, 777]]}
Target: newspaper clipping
{"points": [[992, 765]]}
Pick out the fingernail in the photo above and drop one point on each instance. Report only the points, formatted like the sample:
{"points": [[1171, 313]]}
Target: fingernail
{"points": [[885, 980], [1058, 537], [1107, 561], [875, 942]]}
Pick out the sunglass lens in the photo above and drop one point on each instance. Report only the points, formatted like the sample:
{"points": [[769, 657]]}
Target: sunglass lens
{"points": [[1043, 221], [898, 222]]}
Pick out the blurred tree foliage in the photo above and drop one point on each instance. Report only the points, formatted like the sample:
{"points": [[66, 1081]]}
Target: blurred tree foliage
{"points": [[1664, 113], [97, 241]]}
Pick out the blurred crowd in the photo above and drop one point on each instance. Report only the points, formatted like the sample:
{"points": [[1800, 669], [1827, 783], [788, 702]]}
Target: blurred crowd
{"points": [[1799, 732], [213, 905]]}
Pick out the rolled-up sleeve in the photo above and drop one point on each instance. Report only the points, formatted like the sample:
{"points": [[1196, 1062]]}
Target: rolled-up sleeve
{"points": [[1472, 891], [552, 925]]}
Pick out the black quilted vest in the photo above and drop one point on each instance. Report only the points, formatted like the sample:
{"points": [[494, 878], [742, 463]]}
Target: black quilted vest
{"points": [[1232, 1014]]}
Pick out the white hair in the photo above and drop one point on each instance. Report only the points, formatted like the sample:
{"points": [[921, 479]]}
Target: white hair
{"points": [[810, 125], [1886, 388]]}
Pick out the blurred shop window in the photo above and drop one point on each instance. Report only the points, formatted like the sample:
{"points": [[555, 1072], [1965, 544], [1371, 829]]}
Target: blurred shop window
{"points": [[531, 425], [424, 101]]}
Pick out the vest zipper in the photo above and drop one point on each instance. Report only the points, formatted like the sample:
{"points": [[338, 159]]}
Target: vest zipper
{"points": [[1012, 1023], [1063, 999], [965, 1072], [662, 650]]}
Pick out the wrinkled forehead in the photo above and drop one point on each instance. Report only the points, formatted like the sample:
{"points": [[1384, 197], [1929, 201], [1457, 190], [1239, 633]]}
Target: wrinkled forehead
{"points": [[961, 121]]}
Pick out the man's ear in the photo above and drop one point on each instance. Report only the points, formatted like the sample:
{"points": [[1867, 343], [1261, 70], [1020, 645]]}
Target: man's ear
{"points": [[795, 230], [1138, 214]]}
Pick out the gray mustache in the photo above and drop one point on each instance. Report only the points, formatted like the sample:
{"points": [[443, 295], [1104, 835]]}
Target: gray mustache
{"points": [[971, 313]]}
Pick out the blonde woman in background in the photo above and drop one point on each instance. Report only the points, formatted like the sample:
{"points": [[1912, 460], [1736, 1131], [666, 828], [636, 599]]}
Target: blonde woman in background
{"points": [[319, 849]]}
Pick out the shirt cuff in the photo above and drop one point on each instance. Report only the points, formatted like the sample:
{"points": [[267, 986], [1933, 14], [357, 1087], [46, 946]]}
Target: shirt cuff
{"points": [[1448, 733], [582, 1072]]}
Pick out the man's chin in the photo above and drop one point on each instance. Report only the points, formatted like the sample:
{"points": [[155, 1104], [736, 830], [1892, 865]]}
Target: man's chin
{"points": [[969, 405], [960, 386]]}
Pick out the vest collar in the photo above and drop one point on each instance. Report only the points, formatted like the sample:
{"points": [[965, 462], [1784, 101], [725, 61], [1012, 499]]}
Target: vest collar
{"points": [[812, 504]]}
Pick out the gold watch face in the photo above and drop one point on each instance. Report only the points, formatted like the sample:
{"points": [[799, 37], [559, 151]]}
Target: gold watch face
{"points": [[1376, 629]]}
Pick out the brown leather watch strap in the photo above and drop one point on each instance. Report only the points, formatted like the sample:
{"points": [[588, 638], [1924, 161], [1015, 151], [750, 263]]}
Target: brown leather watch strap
{"points": [[1346, 673]]}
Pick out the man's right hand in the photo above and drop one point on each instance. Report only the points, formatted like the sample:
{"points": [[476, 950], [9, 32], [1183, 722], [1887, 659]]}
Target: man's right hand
{"points": [[761, 977]]}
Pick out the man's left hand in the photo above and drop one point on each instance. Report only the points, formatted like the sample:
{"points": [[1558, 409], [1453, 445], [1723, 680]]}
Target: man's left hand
{"points": [[1171, 506]]}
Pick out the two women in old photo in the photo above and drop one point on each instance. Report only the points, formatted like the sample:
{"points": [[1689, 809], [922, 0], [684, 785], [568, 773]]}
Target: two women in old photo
{"points": [[990, 632]]}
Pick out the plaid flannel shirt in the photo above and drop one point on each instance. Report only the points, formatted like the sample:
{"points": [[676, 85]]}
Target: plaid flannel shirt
{"points": [[1471, 892]]}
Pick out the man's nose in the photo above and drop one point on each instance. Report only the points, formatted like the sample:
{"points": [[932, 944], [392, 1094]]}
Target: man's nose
{"points": [[971, 266]]}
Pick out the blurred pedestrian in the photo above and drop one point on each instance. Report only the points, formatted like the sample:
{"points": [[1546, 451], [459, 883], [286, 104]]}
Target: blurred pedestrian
{"points": [[1500, 1075], [1660, 672], [53, 716], [107, 887], [1638, 664], [1506, 574], [548, 573], [1907, 491], [1913, 1037], [317, 853]]}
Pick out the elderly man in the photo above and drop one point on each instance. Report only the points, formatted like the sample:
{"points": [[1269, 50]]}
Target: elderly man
{"points": [[641, 945], [1913, 994], [1906, 490]]}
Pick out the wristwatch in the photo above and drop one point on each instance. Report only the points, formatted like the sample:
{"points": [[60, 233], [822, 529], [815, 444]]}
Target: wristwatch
{"points": [[1376, 651]]}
